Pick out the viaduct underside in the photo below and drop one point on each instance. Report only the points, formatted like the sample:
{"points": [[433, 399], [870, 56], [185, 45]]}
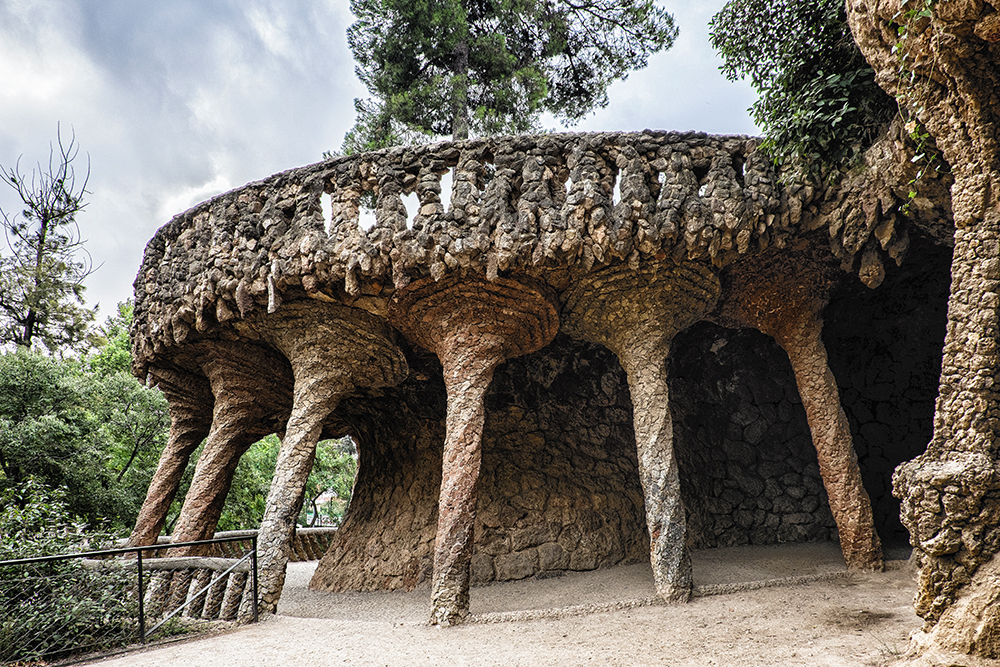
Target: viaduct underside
{"points": [[600, 349]]}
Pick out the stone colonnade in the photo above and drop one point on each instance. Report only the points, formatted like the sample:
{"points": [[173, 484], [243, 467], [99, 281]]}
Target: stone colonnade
{"points": [[472, 326], [248, 303]]}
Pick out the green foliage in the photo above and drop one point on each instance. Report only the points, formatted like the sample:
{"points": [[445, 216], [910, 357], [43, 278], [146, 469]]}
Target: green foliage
{"points": [[87, 426], [44, 430], [129, 422], [819, 104], [444, 67], [333, 473], [53, 609], [376, 129], [114, 350], [914, 16], [247, 497], [41, 281]]}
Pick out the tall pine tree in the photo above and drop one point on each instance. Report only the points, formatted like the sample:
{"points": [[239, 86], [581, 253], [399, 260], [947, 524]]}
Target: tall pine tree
{"points": [[490, 67]]}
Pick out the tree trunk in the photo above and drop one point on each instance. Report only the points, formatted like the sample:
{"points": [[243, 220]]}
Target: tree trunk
{"points": [[460, 92]]}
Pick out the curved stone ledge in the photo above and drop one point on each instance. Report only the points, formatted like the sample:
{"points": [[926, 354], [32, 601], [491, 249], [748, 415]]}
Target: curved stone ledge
{"points": [[529, 204], [620, 240]]}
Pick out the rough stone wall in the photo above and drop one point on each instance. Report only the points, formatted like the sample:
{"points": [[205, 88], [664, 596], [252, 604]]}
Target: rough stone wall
{"points": [[748, 466], [560, 434], [885, 350], [739, 420], [558, 490]]}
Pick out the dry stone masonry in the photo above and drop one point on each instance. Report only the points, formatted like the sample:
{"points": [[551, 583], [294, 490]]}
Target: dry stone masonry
{"points": [[501, 358]]}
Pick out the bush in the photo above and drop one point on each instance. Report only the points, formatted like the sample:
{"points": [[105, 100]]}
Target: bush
{"points": [[55, 608]]}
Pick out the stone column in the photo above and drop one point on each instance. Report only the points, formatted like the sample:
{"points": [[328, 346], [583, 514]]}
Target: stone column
{"points": [[249, 385], [473, 326], [332, 349], [783, 295], [635, 314], [190, 398], [943, 67]]}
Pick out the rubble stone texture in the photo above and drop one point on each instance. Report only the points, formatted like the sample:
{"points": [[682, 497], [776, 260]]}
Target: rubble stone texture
{"points": [[239, 419], [332, 350], [189, 425], [949, 62], [486, 451], [783, 295]]}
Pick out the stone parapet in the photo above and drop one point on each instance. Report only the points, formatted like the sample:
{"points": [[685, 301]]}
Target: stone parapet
{"points": [[550, 205]]}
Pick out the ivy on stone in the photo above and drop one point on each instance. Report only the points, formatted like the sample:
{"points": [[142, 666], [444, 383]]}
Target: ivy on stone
{"points": [[819, 105]]}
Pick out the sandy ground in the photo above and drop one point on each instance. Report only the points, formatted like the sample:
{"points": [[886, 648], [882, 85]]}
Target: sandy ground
{"points": [[781, 605]]}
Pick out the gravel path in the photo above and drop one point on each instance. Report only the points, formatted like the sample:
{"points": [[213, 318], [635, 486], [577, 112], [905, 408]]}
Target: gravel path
{"points": [[787, 605]]}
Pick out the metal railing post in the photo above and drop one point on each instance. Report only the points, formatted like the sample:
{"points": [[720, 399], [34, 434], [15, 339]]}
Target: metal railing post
{"points": [[142, 610], [144, 632]]}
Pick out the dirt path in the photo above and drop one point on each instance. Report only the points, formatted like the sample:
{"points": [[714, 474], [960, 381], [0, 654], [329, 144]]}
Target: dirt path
{"points": [[608, 617]]}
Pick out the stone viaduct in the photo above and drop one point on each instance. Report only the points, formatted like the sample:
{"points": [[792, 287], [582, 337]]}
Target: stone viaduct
{"points": [[598, 347]]}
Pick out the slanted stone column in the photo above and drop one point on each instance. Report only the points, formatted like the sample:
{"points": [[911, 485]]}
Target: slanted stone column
{"points": [[473, 326], [783, 295], [635, 314], [249, 384], [332, 349], [190, 398]]}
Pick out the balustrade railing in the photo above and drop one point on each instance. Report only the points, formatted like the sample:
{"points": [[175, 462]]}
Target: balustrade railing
{"points": [[59, 607]]}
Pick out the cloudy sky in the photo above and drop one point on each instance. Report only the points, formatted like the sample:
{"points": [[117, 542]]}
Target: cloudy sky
{"points": [[175, 101]]}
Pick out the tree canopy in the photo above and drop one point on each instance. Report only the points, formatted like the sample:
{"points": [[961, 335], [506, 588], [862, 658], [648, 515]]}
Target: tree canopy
{"points": [[818, 96], [86, 426], [492, 66], [41, 281]]}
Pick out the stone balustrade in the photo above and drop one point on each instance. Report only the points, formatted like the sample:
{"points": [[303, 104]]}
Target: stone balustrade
{"points": [[561, 203]]}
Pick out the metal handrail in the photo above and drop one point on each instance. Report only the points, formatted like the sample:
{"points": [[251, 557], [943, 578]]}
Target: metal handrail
{"points": [[117, 552], [155, 547]]}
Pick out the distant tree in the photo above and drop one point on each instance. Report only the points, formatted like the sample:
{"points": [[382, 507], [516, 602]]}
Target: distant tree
{"points": [[375, 128], [444, 67], [45, 432], [112, 352], [333, 472], [819, 103], [41, 281]]}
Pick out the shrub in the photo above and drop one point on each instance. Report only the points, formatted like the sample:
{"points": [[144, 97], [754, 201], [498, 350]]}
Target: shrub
{"points": [[55, 608]]}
